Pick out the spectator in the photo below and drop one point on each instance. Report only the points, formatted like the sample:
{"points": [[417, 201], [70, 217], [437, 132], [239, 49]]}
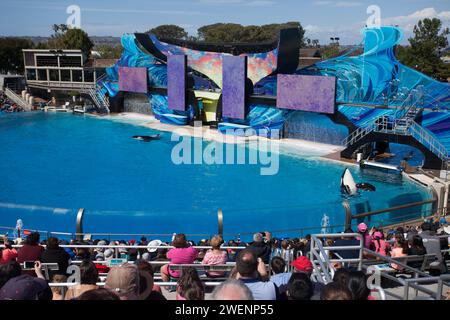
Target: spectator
{"points": [[367, 238], [280, 276], [347, 242], [8, 271], [400, 249], [379, 245], [341, 276], [231, 252], [26, 287], [335, 291], [189, 286], [8, 253], [416, 248], [433, 246], [181, 254], [232, 290], [124, 280], [146, 268], [215, 256], [299, 287], [88, 280], [99, 294], [55, 254], [304, 265], [132, 252], [357, 284], [260, 248], [249, 268], [143, 242], [58, 292], [31, 250]]}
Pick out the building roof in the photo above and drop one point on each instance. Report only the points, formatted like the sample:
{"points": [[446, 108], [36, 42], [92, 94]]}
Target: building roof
{"points": [[99, 63], [310, 53]]}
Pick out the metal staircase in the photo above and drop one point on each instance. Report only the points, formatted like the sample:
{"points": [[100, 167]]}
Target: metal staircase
{"points": [[17, 99], [98, 97], [403, 124]]}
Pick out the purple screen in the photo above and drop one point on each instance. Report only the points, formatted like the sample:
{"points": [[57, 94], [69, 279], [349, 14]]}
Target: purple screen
{"points": [[176, 82], [133, 79], [306, 93], [233, 89]]}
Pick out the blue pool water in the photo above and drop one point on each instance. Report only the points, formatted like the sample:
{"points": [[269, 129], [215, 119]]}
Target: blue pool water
{"points": [[52, 164]]}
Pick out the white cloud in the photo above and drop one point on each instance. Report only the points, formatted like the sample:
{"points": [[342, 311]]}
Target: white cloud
{"points": [[408, 22]]}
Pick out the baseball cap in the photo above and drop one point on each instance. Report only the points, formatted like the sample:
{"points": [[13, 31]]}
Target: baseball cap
{"points": [[302, 264], [362, 227], [26, 287], [377, 235]]}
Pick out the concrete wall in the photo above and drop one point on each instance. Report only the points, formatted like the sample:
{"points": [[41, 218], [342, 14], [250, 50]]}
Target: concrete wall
{"points": [[136, 102]]}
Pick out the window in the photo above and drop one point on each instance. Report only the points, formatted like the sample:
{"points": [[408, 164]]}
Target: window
{"points": [[42, 74], [47, 61], [54, 75], [77, 76], [70, 61], [31, 74], [88, 76], [65, 75]]}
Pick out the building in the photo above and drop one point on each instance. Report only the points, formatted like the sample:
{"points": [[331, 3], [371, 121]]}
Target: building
{"points": [[55, 73]]}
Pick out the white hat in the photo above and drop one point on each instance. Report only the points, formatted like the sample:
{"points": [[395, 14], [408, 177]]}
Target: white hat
{"points": [[447, 229], [153, 243]]}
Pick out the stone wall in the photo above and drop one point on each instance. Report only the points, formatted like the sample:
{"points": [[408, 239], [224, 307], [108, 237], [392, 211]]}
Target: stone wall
{"points": [[137, 102]]}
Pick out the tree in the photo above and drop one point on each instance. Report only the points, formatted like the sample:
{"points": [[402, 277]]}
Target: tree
{"points": [[11, 56], [423, 54], [109, 52], [170, 31], [235, 33], [65, 38]]}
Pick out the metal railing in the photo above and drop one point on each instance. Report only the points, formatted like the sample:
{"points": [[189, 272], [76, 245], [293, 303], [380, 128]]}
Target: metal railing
{"points": [[17, 99]]}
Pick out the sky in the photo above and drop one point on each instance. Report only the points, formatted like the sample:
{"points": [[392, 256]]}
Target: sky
{"points": [[322, 19]]}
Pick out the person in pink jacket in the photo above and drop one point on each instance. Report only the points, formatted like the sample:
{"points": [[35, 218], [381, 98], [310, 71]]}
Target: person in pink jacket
{"points": [[183, 253]]}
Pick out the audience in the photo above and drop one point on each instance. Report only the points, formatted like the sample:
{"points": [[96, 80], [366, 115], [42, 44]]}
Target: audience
{"points": [[232, 290], [55, 254], [250, 270], [416, 248], [357, 284], [300, 287], [31, 250], [8, 271], [8, 253], [215, 256], [335, 291], [99, 294], [88, 280], [189, 286], [58, 292], [146, 281], [260, 248], [280, 276], [400, 249], [124, 281], [183, 253]]}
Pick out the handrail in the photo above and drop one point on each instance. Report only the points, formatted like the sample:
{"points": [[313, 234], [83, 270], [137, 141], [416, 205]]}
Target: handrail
{"points": [[16, 99]]}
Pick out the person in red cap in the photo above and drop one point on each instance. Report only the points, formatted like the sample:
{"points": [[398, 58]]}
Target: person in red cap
{"points": [[303, 264]]}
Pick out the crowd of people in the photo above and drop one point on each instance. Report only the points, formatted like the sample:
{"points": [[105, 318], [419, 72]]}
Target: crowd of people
{"points": [[6, 105], [289, 276]]}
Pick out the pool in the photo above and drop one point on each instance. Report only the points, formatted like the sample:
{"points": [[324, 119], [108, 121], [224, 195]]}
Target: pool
{"points": [[52, 164]]}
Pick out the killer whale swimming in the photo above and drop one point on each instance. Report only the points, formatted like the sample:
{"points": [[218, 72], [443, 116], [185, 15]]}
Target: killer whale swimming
{"points": [[148, 138], [350, 187]]}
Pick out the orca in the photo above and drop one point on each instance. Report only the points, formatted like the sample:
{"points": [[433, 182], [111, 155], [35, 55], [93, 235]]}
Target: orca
{"points": [[147, 138], [348, 184], [350, 187]]}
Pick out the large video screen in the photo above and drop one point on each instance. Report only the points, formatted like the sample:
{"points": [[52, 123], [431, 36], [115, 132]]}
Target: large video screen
{"points": [[133, 79], [306, 93]]}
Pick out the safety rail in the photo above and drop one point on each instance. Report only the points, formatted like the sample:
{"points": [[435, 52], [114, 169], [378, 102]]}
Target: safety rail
{"points": [[320, 259], [17, 99], [428, 140]]}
